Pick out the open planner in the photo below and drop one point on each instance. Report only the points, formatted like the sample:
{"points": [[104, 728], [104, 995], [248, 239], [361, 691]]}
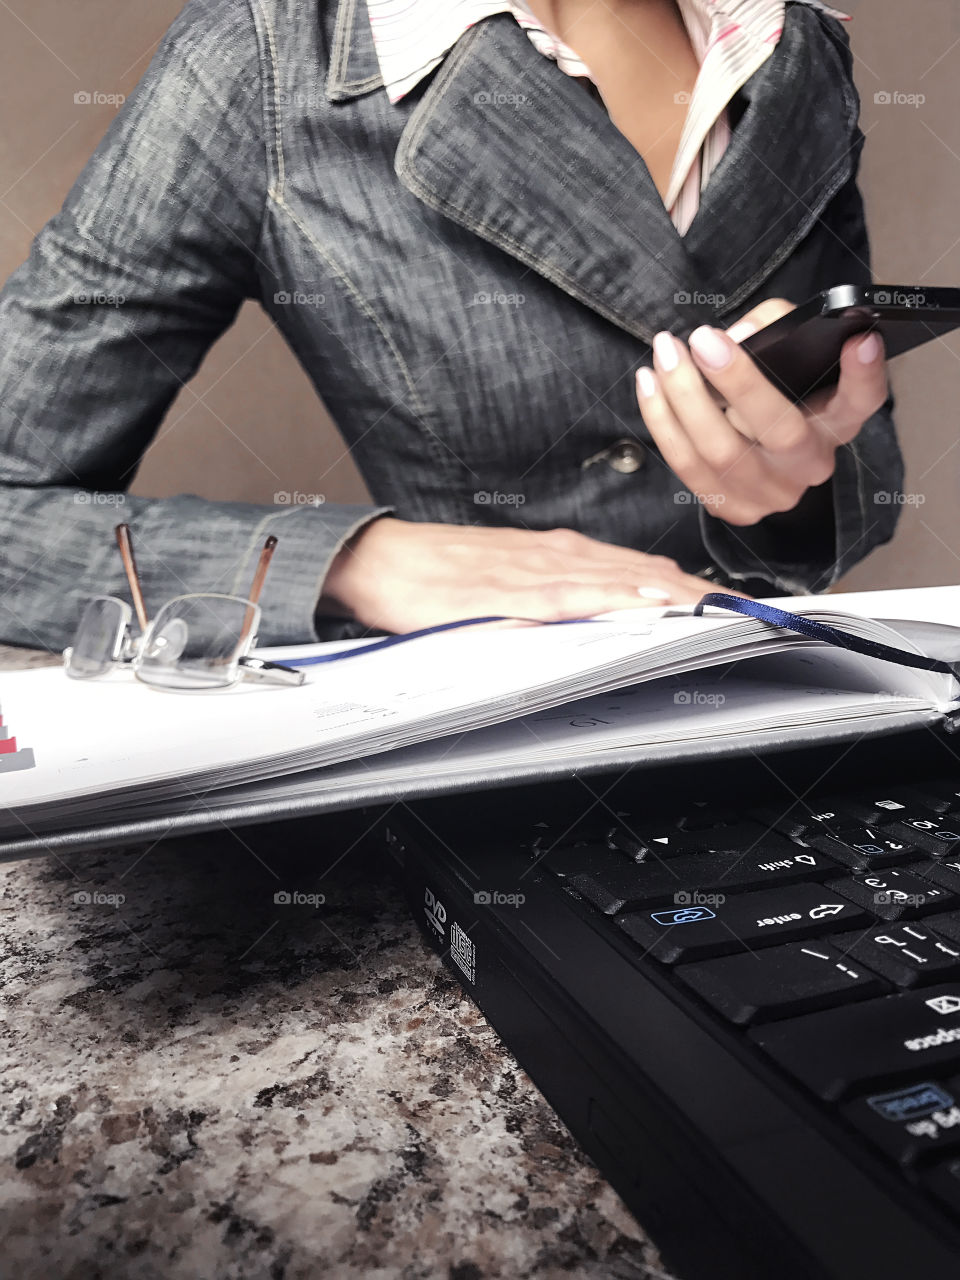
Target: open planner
{"points": [[86, 763]]}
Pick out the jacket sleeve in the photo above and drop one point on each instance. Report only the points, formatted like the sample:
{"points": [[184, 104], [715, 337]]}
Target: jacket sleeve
{"points": [[124, 291], [838, 524]]}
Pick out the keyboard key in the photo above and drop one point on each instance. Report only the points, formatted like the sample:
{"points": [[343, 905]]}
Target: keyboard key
{"points": [[944, 1182], [625, 840], [605, 878], [894, 1038], [942, 871], [876, 806], [757, 986], [613, 883], [893, 894], [939, 795], [912, 1123], [707, 813], [863, 848], [859, 808], [669, 842], [565, 832], [947, 925], [743, 921], [797, 819], [908, 955], [936, 834]]}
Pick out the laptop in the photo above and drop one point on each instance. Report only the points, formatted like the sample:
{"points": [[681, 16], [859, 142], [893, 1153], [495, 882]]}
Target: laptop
{"points": [[738, 984]]}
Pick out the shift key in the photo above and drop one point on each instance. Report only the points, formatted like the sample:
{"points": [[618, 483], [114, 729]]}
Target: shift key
{"points": [[698, 925], [890, 1039]]}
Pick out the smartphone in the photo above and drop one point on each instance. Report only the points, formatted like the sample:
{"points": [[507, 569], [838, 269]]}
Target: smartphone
{"points": [[800, 353]]}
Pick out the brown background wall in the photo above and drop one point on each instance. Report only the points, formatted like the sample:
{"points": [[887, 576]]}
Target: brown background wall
{"points": [[253, 423]]}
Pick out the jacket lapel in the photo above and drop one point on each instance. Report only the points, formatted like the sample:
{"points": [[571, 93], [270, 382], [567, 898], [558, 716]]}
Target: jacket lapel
{"points": [[793, 149], [512, 148], [354, 68]]}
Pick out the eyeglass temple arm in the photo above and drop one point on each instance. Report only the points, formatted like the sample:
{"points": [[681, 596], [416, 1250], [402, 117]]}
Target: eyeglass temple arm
{"points": [[125, 543], [263, 564]]}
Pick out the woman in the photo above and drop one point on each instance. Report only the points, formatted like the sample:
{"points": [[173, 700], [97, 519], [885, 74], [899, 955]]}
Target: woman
{"points": [[484, 229]]}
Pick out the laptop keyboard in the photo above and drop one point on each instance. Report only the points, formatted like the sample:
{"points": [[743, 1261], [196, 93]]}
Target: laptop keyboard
{"points": [[829, 933]]}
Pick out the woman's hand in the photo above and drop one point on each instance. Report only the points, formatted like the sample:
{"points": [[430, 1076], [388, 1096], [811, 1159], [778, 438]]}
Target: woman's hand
{"points": [[763, 452], [398, 576]]}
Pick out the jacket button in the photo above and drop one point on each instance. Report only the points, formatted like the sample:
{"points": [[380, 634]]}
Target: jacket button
{"points": [[625, 456]]}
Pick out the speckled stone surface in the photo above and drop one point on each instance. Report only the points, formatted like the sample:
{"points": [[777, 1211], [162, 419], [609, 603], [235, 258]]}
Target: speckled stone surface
{"points": [[198, 1082]]}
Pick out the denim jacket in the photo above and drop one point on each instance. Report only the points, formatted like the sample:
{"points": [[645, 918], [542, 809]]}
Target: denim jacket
{"points": [[470, 278]]}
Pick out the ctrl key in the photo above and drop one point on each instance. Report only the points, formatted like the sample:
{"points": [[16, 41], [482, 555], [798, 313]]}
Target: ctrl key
{"points": [[915, 1122]]}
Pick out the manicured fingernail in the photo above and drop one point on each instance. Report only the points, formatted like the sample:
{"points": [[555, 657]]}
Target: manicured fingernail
{"points": [[711, 347], [646, 382], [666, 350], [869, 349], [742, 329], [653, 593]]}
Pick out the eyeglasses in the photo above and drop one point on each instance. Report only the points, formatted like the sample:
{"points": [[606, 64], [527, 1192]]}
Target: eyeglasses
{"points": [[195, 643]]}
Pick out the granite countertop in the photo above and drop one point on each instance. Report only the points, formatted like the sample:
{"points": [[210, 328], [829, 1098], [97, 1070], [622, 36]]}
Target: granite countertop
{"points": [[196, 1081]]}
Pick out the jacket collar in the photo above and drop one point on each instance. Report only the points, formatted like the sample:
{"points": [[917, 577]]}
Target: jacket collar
{"points": [[511, 148]]}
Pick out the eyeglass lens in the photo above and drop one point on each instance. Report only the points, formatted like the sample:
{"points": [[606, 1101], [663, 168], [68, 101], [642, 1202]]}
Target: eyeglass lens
{"points": [[196, 642], [99, 638]]}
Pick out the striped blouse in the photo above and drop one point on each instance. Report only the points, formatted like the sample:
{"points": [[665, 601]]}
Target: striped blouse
{"points": [[731, 39]]}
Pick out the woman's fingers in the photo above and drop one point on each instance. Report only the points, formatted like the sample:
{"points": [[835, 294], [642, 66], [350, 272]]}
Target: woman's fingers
{"points": [[861, 390], [683, 417], [764, 313], [577, 549], [563, 598], [756, 458], [763, 413], [699, 443]]}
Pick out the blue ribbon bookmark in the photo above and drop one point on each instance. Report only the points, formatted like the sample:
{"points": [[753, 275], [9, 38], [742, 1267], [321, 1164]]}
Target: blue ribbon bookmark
{"points": [[821, 631], [388, 641], [737, 604]]}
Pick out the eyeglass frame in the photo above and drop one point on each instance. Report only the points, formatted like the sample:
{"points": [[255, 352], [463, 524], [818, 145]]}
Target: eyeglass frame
{"points": [[129, 651]]}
